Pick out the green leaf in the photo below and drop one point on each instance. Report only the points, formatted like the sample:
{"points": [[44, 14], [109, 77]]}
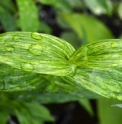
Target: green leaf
{"points": [[44, 28], [39, 111], [71, 38], [109, 114], [7, 20], [86, 104], [87, 27], [4, 117], [75, 4], [28, 15], [120, 10], [12, 79], [99, 67], [39, 58], [32, 52], [31, 113], [62, 5], [100, 6]]}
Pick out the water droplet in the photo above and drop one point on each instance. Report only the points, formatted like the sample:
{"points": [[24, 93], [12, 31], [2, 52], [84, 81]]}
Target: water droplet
{"points": [[9, 48], [36, 49], [27, 67], [36, 36]]}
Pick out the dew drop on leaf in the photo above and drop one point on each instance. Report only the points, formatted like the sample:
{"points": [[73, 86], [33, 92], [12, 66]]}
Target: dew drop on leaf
{"points": [[36, 49], [27, 67], [9, 48], [36, 36]]}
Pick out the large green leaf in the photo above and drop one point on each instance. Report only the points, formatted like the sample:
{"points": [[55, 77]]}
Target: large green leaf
{"points": [[34, 58], [99, 67], [37, 53], [87, 27], [28, 15]]}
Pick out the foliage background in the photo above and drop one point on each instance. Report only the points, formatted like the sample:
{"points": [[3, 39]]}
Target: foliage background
{"points": [[77, 22]]}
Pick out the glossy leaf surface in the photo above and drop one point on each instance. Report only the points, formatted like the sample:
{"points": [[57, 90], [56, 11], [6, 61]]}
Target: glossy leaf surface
{"points": [[33, 59], [36, 53], [99, 67]]}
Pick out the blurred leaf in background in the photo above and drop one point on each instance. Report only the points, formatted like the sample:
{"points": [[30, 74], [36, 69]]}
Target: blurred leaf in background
{"points": [[7, 20], [87, 27], [109, 114], [28, 15], [100, 6], [120, 10], [26, 112]]}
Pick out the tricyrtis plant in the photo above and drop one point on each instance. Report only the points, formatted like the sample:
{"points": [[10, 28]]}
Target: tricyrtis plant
{"points": [[32, 60]]}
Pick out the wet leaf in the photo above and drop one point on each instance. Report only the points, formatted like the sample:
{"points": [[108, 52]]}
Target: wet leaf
{"points": [[37, 53], [99, 67]]}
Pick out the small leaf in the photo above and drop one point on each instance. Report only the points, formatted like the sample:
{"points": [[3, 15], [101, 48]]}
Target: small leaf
{"points": [[28, 15]]}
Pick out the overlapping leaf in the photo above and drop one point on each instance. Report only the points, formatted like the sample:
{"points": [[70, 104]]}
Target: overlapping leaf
{"points": [[100, 67], [95, 66]]}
